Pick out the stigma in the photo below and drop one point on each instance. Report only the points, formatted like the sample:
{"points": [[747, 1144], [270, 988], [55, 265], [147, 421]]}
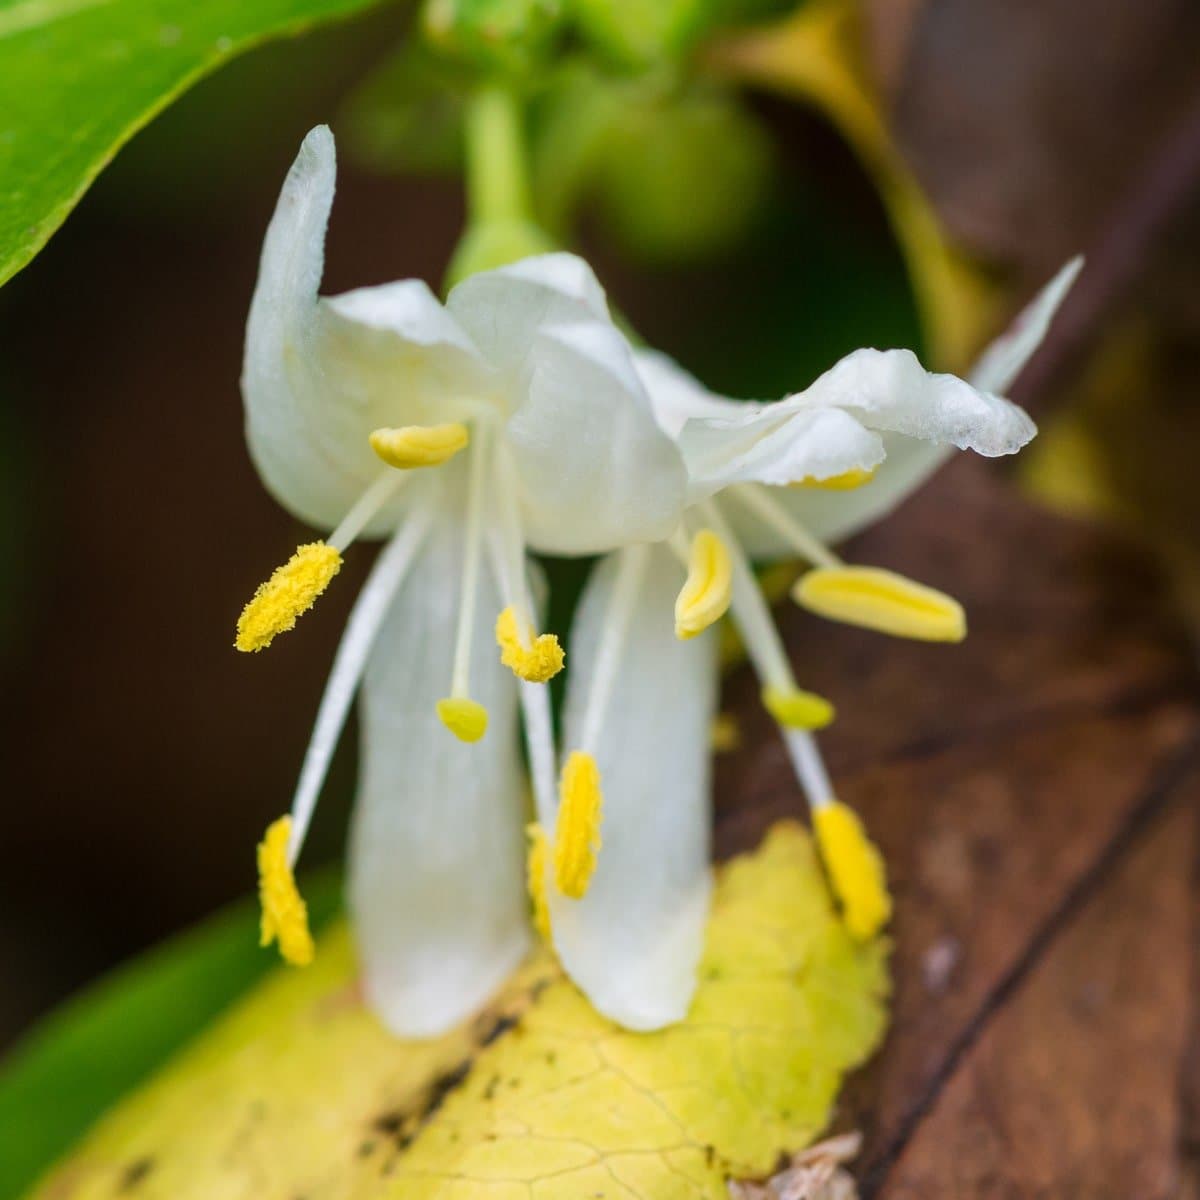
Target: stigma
{"points": [[708, 589], [577, 830], [795, 708], [284, 913], [414, 446], [882, 600], [465, 718], [289, 593], [534, 659], [855, 867]]}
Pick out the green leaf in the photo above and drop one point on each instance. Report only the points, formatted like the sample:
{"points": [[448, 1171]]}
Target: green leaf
{"points": [[79, 77], [89, 1053]]}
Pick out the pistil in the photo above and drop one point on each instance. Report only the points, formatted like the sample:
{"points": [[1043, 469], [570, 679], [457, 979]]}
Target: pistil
{"points": [[464, 717]]}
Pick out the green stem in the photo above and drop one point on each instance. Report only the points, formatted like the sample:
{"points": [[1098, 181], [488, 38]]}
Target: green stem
{"points": [[497, 173]]}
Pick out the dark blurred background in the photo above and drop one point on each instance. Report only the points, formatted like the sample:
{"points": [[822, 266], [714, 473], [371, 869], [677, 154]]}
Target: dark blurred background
{"points": [[142, 756]]}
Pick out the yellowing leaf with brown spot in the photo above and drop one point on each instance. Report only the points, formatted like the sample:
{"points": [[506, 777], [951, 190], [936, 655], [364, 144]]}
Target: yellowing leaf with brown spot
{"points": [[298, 1092]]}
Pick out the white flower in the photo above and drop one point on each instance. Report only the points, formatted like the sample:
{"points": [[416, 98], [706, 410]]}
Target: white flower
{"points": [[522, 380], [640, 701]]}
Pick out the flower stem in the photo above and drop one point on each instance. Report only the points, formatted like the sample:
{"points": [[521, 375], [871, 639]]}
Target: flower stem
{"points": [[497, 172]]}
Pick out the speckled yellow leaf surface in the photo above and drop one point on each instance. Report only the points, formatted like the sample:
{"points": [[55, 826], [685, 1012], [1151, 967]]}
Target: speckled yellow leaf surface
{"points": [[299, 1093]]}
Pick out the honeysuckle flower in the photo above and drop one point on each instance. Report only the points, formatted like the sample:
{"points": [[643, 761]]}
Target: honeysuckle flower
{"points": [[509, 418], [764, 481]]}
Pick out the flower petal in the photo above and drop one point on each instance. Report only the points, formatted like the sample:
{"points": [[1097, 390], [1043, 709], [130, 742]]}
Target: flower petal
{"points": [[437, 855], [596, 471], [995, 427], [503, 309], [775, 445], [632, 943], [677, 397], [890, 390], [318, 376], [911, 461], [1001, 363]]}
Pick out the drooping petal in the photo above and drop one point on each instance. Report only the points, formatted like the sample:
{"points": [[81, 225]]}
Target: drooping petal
{"points": [[911, 461], [503, 309], [437, 888], [776, 446], [632, 943], [890, 390], [595, 469], [319, 375], [1001, 363]]}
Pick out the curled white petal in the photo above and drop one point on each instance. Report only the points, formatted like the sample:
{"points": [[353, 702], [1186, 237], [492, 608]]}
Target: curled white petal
{"points": [[319, 375], [890, 390], [775, 446]]}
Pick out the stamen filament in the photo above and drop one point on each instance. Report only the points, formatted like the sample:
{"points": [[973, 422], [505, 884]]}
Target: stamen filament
{"points": [[365, 507], [758, 499], [531, 656], [855, 867], [535, 706], [367, 616], [765, 649], [622, 602], [472, 545]]}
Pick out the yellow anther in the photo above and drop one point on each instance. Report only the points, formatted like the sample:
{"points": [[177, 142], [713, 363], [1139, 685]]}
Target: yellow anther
{"points": [[882, 600], [725, 733], [413, 446], [534, 659], [287, 595], [284, 913], [704, 597], [855, 868], [577, 833], [797, 709], [847, 481], [466, 719], [536, 864]]}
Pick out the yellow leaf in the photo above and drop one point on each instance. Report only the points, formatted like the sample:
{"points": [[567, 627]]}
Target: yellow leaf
{"points": [[299, 1092], [815, 55]]}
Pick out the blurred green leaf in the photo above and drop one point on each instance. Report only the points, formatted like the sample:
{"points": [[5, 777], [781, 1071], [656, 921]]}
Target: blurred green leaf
{"points": [[97, 1046], [676, 171], [79, 77], [407, 115], [685, 178], [638, 33], [510, 36]]}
